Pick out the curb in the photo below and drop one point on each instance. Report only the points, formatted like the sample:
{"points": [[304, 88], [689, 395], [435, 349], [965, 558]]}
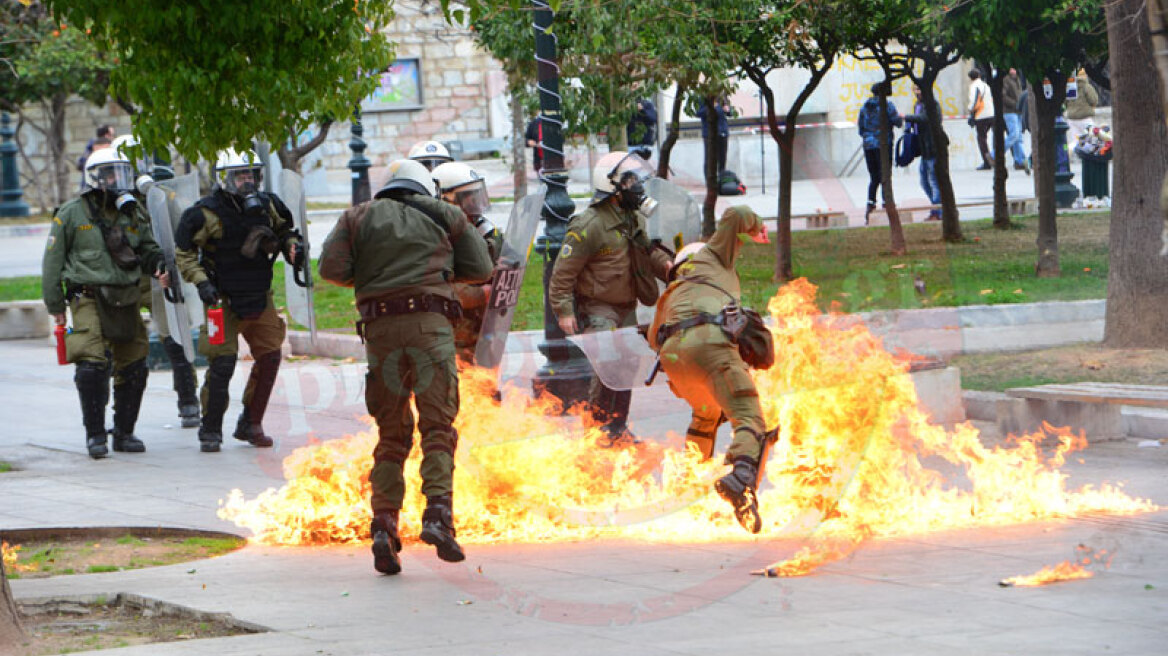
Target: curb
{"points": [[27, 230]]}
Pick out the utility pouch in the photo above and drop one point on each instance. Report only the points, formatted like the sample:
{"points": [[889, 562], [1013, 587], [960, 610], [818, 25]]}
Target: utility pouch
{"points": [[117, 310], [119, 248], [261, 242]]}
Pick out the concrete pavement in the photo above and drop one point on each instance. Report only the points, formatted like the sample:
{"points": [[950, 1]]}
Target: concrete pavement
{"points": [[924, 594]]}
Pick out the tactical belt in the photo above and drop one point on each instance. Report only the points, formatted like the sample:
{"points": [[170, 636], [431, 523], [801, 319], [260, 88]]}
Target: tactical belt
{"points": [[671, 329], [375, 308], [75, 291]]}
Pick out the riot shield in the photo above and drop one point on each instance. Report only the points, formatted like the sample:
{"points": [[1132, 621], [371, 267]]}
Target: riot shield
{"points": [[678, 218], [621, 358], [181, 193], [298, 283], [508, 279], [175, 311]]}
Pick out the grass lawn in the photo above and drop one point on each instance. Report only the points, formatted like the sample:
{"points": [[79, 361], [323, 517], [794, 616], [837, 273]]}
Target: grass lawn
{"points": [[1078, 363], [852, 268]]}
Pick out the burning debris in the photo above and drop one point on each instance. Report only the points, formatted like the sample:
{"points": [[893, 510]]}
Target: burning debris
{"points": [[1068, 570], [856, 459]]}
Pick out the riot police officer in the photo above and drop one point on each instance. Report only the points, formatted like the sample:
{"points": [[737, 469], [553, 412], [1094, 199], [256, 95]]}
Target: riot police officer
{"points": [[99, 247], [598, 279], [704, 365], [400, 252], [225, 245], [463, 187], [430, 154]]}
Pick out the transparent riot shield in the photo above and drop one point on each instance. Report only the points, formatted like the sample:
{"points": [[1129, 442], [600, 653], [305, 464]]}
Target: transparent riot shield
{"points": [[508, 279], [678, 218], [174, 307], [621, 358], [181, 193], [298, 282]]}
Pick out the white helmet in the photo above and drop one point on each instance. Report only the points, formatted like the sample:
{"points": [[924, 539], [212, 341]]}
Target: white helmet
{"points": [[122, 146], [408, 175], [109, 170], [688, 251], [461, 185], [430, 154], [616, 171], [231, 163]]}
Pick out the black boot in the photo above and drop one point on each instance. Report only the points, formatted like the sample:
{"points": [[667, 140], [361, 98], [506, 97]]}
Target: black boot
{"points": [[218, 378], [438, 528], [129, 385], [738, 488], [92, 380], [613, 414], [250, 427], [386, 543], [184, 383]]}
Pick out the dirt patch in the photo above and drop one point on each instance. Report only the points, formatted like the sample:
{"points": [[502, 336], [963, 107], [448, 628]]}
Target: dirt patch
{"points": [[38, 554], [1065, 364], [61, 626]]}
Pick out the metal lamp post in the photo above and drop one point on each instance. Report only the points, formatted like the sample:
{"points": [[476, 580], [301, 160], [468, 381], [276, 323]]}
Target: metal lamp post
{"points": [[359, 164], [566, 373], [10, 198]]}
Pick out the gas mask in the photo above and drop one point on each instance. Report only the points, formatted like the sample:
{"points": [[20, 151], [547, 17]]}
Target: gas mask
{"points": [[253, 204], [632, 195]]}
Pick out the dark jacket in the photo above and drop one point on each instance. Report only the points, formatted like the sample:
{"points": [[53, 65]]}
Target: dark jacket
{"points": [[869, 122], [920, 122], [642, 129], [1011, 94], [719, 114]]}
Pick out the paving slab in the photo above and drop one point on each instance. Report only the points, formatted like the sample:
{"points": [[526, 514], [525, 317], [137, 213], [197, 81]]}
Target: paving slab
{"points": [[916, 594]]}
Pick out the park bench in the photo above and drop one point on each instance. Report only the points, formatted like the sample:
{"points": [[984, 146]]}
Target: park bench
{"points": [[1095, 408], [461, 149], [821, 220], [918, 213]]}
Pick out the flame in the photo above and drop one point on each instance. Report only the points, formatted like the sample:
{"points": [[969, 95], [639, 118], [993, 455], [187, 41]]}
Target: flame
{"points": [[1068, 570], [11, 556], [856, 459]]}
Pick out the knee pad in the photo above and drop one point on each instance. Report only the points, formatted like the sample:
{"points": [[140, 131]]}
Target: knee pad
{"points": [[222, 367], [133, 374]]}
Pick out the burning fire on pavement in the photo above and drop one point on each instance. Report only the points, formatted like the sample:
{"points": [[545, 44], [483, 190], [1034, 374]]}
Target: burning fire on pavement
{"points": [[856, 459], [1068, 570]]}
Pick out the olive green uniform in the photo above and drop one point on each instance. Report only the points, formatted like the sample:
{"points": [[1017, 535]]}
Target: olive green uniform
{"points": [[593, 281], [208, 248], [703, 365], [78, 269], [402, 262]]}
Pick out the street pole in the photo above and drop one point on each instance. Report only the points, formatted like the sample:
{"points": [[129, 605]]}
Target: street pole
{"points": [[358, 163], [10, 198], [566, 373]]}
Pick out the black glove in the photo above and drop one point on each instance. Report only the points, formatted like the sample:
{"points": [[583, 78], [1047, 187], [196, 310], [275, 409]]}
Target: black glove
{"points": [[207, 293]]}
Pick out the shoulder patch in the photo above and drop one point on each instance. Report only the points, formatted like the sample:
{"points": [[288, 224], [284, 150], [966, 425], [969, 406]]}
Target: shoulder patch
{"points": [[566, 250], [51, 242]]}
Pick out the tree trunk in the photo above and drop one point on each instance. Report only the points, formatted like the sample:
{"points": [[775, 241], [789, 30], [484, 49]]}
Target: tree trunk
{"points": [[56, 143], [617, 139], [11, 631], [1048, 258], [711, 169], [784, 267], [1001, 209], [1137, 285], [518, 146], [898, 245], [290, 157], [950, 217], [673, 134]]}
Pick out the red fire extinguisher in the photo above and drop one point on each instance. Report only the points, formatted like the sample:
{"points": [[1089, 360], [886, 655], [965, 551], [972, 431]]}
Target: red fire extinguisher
{"points": [[215, 325], [59, 333]]}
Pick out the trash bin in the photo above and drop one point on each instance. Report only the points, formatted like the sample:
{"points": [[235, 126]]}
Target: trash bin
{"points": [[1095, 175]]}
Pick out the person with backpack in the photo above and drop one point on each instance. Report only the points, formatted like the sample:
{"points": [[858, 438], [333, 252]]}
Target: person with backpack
{"points": [[869, 123], [922, 133]]}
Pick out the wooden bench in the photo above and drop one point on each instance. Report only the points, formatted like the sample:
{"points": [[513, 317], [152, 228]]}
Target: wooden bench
{"points": [[911, 214], [821, 220], [1094, 408]]}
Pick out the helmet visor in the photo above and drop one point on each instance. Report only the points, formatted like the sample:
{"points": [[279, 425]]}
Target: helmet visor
{"points": [[112, 176], [242, 180], [631, 170], [472, 198]]}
